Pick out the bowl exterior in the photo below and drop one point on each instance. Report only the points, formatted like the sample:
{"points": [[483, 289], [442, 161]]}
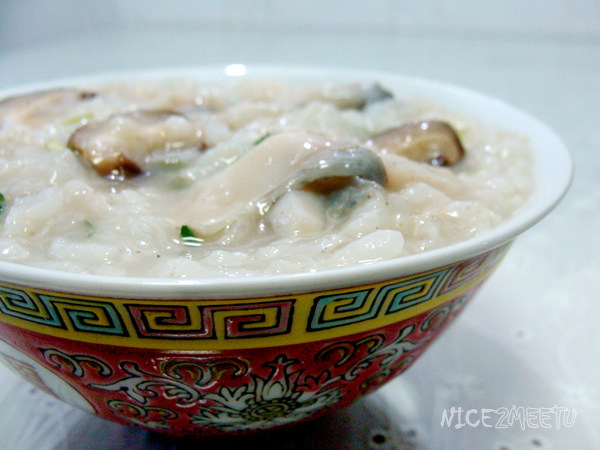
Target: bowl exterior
{"points": [[229, 365]]}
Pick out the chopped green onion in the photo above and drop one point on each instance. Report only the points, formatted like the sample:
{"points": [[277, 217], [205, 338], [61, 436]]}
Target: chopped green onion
{"points": [[1, 202], [169, 162], [80, 118], [53, 145], [262, 138], [188, 237], [180, 182], [90, 228]]}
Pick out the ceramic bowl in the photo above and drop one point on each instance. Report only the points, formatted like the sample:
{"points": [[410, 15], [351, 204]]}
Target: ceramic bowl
{"points": [[237, 355]]}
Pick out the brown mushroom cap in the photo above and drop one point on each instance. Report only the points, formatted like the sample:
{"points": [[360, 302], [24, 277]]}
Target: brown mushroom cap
{"points": [[430, 141], [355, 95], [37, 108], [330, 169], [118, 146]]}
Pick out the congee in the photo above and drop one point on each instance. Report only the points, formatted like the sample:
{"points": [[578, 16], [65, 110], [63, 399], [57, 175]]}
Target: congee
{"points": [[181, 178]]}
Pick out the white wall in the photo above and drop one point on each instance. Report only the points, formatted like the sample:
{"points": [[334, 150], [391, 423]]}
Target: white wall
{"points": [[31, 22]]}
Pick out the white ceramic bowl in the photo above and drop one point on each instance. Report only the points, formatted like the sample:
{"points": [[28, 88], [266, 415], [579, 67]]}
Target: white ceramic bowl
{"points": [[552, 172], [129, 349]]}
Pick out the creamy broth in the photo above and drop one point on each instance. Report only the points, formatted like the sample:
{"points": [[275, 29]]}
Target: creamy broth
{"points": [[187, 179]]}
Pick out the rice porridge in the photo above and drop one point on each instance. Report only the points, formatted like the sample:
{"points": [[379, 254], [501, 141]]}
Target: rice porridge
{"points": [[180, 178]]}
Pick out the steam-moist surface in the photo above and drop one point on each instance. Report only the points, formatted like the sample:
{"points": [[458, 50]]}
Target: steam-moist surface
{"points": [[59, 213]]}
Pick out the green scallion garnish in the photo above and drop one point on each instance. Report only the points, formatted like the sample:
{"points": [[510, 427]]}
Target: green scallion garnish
{"points": [[180, 182], [89, 227], [78, 119], [188, 237], [262, 138], [1, 202]]}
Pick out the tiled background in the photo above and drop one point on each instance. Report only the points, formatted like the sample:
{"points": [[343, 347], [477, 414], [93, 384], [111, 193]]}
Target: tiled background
{"points": [[28, 22]]}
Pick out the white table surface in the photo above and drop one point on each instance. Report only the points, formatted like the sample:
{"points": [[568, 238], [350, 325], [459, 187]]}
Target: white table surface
{"points": [[530, 338]]}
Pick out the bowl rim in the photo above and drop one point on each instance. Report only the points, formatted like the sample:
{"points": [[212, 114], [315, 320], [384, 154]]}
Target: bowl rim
{"points": [[553, 175]]}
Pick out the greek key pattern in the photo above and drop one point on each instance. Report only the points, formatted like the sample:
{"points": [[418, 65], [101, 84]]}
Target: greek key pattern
{"points": [[240, 323], [331, 311], [88, 316], [240, 320]]}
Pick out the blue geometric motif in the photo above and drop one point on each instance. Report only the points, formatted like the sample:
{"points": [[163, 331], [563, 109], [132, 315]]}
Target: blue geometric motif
{"points": [[18, 304], [408, 293], [346, 302], [58, 312]]}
